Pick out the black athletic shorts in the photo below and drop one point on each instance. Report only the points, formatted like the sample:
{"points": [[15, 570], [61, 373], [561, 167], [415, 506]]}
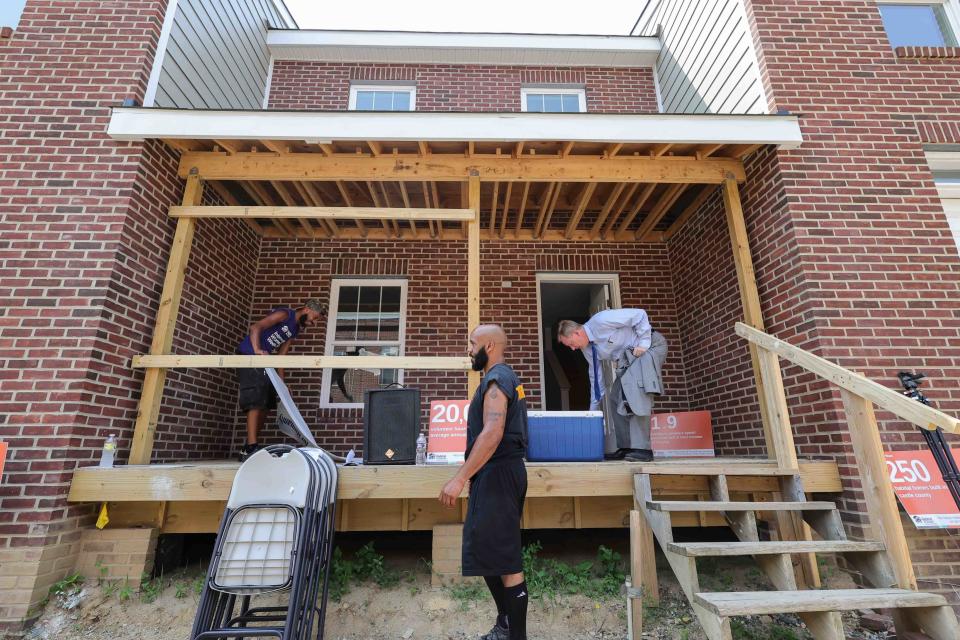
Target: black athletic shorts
{"points": [[256, 390], [491, 533]]}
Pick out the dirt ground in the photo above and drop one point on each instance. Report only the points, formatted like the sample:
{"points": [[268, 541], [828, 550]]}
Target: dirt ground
{"points": [[413, 610]]}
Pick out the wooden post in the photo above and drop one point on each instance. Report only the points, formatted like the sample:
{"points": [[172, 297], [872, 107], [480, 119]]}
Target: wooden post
{"points": [[879, 496], [149, 409], [473, 269], [777, 432]]}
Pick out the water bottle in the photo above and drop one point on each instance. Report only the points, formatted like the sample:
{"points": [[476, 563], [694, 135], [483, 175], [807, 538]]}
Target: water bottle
{"points": [[109, 450], [421, 449]]}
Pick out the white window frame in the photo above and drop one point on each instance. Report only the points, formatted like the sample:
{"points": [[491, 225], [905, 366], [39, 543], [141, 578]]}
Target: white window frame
{"points": [[328, 348], [950, 7], [359, 86], [580, 92], [949, 192]]}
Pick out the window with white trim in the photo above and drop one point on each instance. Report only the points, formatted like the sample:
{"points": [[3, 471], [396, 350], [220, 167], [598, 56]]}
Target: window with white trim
{"points": [[553, 99], [948, 186], [921, 23], [367, 318], [383, 97]]}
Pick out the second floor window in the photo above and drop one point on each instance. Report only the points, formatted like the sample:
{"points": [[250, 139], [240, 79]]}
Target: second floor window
{"points": [[553, 100], [920, 24], [382, 97]]}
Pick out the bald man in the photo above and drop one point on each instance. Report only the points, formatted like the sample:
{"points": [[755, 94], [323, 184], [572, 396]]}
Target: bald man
{"points": [[496, 446]]}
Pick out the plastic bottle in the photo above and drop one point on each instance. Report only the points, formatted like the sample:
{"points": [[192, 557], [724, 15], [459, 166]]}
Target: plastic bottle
{"points": [[421, 449], [109, 450]]}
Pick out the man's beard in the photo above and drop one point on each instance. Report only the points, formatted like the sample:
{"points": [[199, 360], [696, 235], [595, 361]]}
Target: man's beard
{"points": [[479, 359]]}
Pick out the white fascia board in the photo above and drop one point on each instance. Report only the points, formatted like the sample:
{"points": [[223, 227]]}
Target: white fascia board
{"points": [[943, 160], [134, 123], [463, 48]]}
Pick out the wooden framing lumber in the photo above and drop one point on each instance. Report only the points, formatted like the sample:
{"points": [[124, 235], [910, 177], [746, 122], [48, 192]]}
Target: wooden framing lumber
{"points": [[612, 200], [688, 212], [473, 270], [148, 410], [522, 209], [644, 196], [435, 363], [506, 209], [898, 404], [319, 213], [662, 207], [453, 168], [581, 207]]}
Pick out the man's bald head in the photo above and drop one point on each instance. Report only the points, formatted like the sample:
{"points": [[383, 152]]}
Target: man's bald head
{"points": [[488, 342]]}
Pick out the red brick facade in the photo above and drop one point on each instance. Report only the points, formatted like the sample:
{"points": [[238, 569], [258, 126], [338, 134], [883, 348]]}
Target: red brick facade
{"points": [[326, 86], [292, 270]]}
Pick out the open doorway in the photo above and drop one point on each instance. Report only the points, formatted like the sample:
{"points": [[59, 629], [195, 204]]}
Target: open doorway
{"points": [[564, 378]]}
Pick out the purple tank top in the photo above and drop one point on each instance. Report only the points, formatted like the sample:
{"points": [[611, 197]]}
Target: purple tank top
{"points": [[272, 338]]}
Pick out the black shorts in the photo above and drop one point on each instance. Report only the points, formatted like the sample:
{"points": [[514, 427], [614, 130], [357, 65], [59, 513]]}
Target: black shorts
{"points": [[491, 532], [256, 390]]}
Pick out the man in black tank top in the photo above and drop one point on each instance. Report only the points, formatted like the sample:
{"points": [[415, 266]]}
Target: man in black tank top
{"points": [[496, 446]]}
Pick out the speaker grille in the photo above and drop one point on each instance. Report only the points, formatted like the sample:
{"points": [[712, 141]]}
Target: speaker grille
{"points": [[391, 423]]}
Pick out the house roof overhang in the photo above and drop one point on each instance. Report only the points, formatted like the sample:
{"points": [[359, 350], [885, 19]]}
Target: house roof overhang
{"points": [[589, 177], [414, 47]]}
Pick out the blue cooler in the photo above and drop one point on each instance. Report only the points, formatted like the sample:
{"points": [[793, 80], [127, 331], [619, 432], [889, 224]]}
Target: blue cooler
{"points": [[565, 436]]}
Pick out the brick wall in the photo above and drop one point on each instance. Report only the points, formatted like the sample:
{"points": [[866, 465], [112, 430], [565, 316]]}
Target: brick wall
{"points": [[326, 86], [85, 239], [291, 271], [855, 259]]}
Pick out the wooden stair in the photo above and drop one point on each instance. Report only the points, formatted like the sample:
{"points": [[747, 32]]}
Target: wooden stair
{"points": [[819, 609]]}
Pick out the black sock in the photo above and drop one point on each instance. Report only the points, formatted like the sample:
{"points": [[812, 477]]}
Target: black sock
{"points": [[516, 601], [495, 584]]}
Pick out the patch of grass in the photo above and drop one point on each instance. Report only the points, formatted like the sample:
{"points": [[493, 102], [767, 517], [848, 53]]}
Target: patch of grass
{"points": [[367, 565], [547, 577], [150, 590], [66, 585], [180, 591], [198, 583], [125, 592], [466, 593]]}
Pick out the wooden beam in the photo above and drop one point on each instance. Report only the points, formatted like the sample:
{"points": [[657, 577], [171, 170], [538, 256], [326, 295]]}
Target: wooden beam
{"points": [[607, 208], [518, 150], [310, 202], [661, 149], [688, 212], [211, 481], [375, 149], [183, 146], [316, 199], [228, 146], [387, 203], [232, 201], [581, 207], [426, 363], [145, 426], [544, 224], [290, 202], [618, 210], [660, 209], [567, 148], [875, 484], [451, 233], [453, 168], [375, 197], [506, 209], [613, 149], [642, 200], [406, 203], [320, 213], [522, 209], [904, 408], [345, 194], [275, 147], [424, 148], [493, 206], [473, 271]]}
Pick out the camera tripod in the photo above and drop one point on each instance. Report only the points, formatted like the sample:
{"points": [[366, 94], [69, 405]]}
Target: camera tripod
{"points": [[935, 439]]}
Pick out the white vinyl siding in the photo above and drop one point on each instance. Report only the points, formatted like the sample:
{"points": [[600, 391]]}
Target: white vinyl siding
{"points": [[707, 62], [216, 56]]}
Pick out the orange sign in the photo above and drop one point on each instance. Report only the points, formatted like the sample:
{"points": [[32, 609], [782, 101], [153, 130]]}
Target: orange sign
{"points": [[447, 436], [3, 456], [918, 483], [681, 435]]}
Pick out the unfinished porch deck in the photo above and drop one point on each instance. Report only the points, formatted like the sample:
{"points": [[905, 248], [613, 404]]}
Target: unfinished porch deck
{"points": [[190, 497]]}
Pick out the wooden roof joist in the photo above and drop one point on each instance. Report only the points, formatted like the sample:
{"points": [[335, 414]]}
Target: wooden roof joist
{"points": [[322, 213], [451, 168]]}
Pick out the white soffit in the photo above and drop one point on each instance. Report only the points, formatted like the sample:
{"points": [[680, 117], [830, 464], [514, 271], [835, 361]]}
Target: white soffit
{"points": [[410, 47], [138, 123]]}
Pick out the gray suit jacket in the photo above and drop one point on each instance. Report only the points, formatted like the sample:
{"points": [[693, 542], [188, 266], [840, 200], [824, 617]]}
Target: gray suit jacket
{"points": [[641, 379]]}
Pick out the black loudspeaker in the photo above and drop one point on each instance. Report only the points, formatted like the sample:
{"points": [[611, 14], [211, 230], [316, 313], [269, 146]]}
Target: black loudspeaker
{"points": [[391, 424]]}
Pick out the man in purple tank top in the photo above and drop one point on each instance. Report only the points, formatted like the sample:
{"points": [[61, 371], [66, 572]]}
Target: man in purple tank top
{"points": [[271, 335]]}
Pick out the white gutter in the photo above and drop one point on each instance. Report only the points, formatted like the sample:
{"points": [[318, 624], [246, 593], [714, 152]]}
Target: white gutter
{"points": [[312, 126], [408, 47]]}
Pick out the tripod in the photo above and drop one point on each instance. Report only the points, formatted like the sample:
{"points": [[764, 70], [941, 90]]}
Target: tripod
{"points": [[935, 440]]}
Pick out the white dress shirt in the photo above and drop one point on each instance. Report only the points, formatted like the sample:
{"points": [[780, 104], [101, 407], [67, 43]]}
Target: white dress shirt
{"points": [[612, 333]]}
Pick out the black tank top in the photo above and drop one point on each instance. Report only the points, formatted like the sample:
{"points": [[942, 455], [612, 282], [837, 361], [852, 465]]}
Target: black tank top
{"points": [[514, 442]]}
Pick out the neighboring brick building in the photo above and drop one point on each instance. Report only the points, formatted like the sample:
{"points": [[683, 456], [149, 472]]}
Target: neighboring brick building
{"points": [[854, 255]]}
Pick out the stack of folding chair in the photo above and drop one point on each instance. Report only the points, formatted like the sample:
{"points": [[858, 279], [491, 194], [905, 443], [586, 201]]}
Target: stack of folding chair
{"points": [[276, 537]]}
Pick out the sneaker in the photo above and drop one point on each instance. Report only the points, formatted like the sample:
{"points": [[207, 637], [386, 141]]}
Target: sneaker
{"points": [[639, 455], [248, 450], [497, 633]]}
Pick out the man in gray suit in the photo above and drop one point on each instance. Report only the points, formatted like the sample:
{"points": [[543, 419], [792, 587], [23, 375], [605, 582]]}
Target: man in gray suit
{"points": [[624, 337]]}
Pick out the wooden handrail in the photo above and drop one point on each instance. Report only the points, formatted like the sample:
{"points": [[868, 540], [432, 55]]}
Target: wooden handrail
{"points": [[896, 403]]}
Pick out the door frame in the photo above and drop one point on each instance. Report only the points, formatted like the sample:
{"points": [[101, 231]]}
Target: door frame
{"points": [[611, 279]]}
